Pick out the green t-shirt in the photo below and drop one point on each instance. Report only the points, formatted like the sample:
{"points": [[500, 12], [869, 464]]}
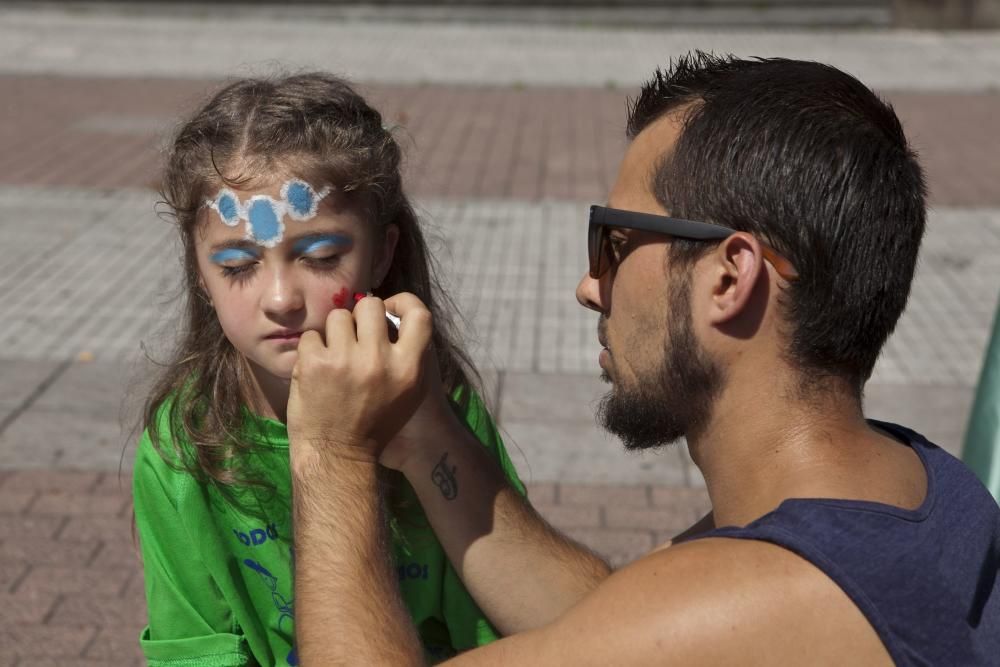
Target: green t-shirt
{"points": [[218, 569]]}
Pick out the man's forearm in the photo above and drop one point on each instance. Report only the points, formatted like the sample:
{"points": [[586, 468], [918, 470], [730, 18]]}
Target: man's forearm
{"points": [[344, 584], [521, 571]]}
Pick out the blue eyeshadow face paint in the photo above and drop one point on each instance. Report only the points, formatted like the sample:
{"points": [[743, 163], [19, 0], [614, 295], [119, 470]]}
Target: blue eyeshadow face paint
{"points": [[317, 242], [234, 255]]}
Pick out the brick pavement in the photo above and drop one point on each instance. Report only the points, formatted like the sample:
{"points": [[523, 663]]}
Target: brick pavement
{"points": [[71, 590], [462, 142]]}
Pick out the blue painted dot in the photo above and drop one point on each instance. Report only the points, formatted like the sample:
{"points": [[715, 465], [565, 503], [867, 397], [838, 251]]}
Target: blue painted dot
{"points": [[300, 198], [264, 224], [229, 209]]}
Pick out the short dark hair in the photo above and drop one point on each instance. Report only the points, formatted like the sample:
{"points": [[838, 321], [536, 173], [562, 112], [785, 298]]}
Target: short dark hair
{"points": [[813, 162]]}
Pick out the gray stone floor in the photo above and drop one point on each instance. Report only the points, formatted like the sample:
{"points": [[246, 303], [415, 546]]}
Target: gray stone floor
{"points": [[217, 42], [91, 275]]}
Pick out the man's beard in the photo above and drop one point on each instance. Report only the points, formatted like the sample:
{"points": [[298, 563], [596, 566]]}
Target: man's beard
{"points": [[676, 398]]}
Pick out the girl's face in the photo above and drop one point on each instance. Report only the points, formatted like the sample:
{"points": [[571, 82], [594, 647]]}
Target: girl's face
{"points": [[274, 267]]}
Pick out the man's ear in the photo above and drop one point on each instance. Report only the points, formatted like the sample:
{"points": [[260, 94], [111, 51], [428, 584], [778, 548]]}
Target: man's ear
{"points": [[736, 268], [384, 254]]}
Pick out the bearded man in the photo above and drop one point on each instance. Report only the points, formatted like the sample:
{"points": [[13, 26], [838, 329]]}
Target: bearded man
{"points": [[755, 253]]}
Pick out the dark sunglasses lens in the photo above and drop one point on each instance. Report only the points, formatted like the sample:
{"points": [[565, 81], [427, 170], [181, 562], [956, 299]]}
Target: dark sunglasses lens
{"points": [[595, 248]]}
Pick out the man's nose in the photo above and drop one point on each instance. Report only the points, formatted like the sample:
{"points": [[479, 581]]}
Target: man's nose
{"points": [[588, 293], [281, 294]]}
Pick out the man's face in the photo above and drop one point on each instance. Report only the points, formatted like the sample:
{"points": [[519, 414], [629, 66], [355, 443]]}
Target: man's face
{"points": [[663, 381]]}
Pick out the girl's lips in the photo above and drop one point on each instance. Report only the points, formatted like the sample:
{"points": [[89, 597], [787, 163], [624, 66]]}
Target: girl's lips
{"points": [[285, 335]]}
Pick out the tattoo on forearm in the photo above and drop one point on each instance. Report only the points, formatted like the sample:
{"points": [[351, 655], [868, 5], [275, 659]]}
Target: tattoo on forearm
{"points": [[444, 478]]}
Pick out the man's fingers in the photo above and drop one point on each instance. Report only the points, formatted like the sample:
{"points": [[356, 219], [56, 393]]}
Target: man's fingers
{"points": [[340, 329], [372, 326], [310, 343], [416, 324]]}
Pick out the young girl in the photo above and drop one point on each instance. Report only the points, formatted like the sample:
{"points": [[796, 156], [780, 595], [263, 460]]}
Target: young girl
{"points": [[288, 199]]}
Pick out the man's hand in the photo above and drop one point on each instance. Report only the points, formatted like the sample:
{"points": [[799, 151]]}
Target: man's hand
{"points": [[352, 393], [349, 396]]}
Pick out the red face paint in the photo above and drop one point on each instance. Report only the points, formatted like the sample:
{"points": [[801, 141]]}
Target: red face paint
{"points": [[340, 298]]}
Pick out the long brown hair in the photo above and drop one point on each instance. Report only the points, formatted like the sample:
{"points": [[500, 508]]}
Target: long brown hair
{"points": [[317, 125]]}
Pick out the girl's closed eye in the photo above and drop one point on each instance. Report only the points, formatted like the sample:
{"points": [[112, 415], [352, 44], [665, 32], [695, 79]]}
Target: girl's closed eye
{"points": [[236, 261], [322, 250]]}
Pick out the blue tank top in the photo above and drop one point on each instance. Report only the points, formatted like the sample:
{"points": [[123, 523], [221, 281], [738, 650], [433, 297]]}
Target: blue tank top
{"points": [[926, 579]]}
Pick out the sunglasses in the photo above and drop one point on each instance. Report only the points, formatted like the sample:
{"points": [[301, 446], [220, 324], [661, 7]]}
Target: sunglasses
{"points": [[602, 254]]}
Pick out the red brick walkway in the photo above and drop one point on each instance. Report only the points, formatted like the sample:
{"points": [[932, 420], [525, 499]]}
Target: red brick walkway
{"points": [[71, 590], [485, 142]]}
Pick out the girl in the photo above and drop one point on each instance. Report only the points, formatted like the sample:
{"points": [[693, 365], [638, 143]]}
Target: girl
{"points": [[288, 198]]}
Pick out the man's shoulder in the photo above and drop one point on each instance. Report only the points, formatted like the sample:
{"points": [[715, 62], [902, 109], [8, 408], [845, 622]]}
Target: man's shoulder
{"points": [[720, 600]]}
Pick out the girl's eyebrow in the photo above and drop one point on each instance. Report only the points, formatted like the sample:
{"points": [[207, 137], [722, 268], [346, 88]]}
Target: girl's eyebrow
{"points": [[304, 243], [241, 244]]}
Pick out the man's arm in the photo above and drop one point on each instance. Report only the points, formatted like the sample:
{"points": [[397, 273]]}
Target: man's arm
{"points": [[708, 601], [348, 610], [521, 571]]}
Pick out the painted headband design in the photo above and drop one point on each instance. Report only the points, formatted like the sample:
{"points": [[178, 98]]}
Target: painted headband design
{"points": [[263, 213]]}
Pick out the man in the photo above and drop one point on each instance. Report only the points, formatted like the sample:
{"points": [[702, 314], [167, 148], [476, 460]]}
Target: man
{"points": [[756, 252]]}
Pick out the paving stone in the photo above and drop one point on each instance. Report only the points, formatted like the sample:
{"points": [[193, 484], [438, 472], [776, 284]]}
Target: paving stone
{"points": [[61, 579], [51, 480], [43, 438], [551, 397], [42, 551], [11, 574], [19, 377], [31, 642], [26, 607], [115, 530], [669, 496], [104, 610], [77, 504], [938, 412], [29, 526], [542, 493], [99, 389], [661, 518], [15, 501], [117, 554], [118, 644], [619, 546], [77, 662], [565, 517], [570, 451], [219, 43], [114, 482], [604, 494]]}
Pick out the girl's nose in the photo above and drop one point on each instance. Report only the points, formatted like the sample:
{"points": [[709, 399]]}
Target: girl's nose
{"points": [[281, 294]]}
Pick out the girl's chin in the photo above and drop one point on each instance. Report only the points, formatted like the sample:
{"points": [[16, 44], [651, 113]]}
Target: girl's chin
{"points": [[279, 369]]}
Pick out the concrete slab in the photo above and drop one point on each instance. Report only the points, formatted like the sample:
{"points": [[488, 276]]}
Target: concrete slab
{"points": [[19, 378], [104, 390], [56, 439], [578, 451], [938, 412], [218, 44], [531, 397]]}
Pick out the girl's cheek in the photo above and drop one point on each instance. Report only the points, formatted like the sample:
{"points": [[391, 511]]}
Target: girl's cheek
{"points": [[340, 298]]}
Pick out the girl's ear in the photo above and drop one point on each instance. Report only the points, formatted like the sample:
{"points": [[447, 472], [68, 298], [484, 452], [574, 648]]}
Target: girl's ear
{"points": [[383, 258], [203, 292]]}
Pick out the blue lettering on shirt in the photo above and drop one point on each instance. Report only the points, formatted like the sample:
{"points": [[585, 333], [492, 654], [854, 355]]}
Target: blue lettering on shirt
{"points": [[257, 536]]}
